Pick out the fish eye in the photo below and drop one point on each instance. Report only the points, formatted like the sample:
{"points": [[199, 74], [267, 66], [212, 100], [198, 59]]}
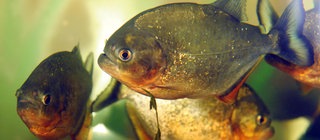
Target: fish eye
{"points": [[46, 99], [125, 54], [261, 120]]}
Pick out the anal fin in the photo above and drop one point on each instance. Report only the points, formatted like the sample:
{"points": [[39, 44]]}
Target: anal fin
{"points": [[231, 97]]}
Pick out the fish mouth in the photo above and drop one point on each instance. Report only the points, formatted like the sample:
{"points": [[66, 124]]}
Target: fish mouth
{"points": [[105, 60], [264, 134], [107, 65], [40, 125]]}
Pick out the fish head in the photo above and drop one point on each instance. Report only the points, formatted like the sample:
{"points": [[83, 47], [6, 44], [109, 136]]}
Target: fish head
{"points": [[250, 118], [51, 101], [39, 110], [133, 56]]}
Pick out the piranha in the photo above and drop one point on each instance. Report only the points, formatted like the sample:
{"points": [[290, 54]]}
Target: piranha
{"points": [[54, 101], [199, 50], [250, 118], [200, 118], [310, 76]]}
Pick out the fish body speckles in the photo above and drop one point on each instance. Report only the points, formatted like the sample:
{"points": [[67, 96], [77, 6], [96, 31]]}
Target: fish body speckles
{"points": [[188, 50]]}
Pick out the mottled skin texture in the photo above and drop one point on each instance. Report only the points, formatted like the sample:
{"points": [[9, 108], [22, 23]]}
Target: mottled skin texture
{"points": [[185, 50], [201, 119], [307, 75], [53, 100]]}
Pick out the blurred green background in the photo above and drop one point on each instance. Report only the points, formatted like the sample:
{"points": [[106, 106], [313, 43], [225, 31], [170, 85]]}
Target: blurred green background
{"points": [[31, 30]]}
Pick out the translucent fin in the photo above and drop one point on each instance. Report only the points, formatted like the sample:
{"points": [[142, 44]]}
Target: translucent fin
{"points": [[231, 97], [140, 131], [76, 51], [236, 8], [88, 64], [266, 15], [294, 46], [84, 133], [108, 96]]}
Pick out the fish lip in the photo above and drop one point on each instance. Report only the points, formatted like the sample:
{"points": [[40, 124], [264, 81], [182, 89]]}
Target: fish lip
{"points": [[104, 59], [38, 129], [107, 65], [268, 133]]}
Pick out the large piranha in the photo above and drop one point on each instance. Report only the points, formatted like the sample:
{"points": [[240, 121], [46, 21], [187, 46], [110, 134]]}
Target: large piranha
{"points": [[198, 50]]}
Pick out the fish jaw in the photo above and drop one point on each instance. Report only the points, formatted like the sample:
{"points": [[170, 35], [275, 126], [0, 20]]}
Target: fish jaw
{"points": [[263, 134], [107, 65], [136, 76], [42, 126]]}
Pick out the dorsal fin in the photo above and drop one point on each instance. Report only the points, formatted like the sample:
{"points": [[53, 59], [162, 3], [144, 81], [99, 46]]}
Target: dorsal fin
{"points": [[76, 51], [88, 64], [236, 8], [266, 15]]}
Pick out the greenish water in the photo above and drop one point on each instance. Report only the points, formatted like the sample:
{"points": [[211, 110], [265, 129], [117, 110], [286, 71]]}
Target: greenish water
{"points": [[31, 30]]}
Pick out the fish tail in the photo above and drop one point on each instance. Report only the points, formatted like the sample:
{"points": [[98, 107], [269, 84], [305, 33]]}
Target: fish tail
{"points": [[294, 46]]}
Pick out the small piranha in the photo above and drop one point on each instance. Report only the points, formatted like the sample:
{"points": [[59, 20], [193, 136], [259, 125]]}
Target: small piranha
{"points": [[250, 118], [54, 102], [200, 118], [310, 76], [199, 50]]}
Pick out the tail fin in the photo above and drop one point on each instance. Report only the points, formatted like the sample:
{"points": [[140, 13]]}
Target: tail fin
{"points": [[294, 46]]}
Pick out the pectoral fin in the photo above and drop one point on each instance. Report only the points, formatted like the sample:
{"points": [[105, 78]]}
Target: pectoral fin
{"points": [[231, 97]]}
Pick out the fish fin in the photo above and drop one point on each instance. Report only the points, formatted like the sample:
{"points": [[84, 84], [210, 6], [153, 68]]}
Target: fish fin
{"points": [[76, 51], [108, 96], [267, 17], [236, 8], [88, 64], [153, 104], [140, 131], [305, 88], [231, 97], [294, 47], [85, 132]]}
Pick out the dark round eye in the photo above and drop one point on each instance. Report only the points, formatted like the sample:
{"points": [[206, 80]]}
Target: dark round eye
{"points": [[261, 120], [46, 99], [125, 54]]}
